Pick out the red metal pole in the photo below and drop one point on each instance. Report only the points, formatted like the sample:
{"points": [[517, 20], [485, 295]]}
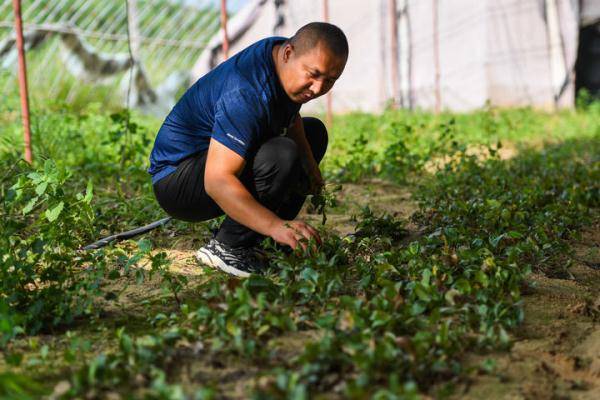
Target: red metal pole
{"points": [[394, 43], [224, 27], [329, 97], [23, 80]]}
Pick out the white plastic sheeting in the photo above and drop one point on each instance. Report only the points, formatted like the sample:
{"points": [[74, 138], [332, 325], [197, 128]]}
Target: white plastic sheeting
{"points": [[505, 52]]}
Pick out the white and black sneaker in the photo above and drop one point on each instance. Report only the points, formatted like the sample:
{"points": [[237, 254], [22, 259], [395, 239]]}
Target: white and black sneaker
{"points": [[238, 261]]}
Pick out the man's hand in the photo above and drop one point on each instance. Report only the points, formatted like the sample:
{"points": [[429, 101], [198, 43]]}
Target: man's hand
{"points": [[222, 184], [316, 179], [292, 234]]}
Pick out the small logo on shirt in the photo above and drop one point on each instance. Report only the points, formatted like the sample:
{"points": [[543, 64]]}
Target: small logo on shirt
{"points": [[236, 139]]}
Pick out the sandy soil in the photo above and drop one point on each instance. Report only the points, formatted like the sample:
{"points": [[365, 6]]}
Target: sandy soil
{"points": [[556, 352]]}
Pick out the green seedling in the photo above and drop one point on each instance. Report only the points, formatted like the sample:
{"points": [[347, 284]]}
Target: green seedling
{"points": [[324, 200]]}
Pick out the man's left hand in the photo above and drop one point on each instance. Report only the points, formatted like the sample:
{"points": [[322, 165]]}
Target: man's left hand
{"points": [[315, 178]]}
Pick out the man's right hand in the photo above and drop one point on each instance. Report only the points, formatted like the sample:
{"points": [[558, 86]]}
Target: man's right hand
{"points": [[223, 166], [292, 233]]}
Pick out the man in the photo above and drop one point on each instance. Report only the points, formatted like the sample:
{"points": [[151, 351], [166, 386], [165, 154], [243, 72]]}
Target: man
{"points": [[236, 144]]}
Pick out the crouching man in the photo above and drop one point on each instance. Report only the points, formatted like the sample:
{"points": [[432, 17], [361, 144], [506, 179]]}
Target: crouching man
{"points": [[236, 144]]}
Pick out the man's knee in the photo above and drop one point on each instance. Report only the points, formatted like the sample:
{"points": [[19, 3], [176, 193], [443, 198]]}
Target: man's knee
{"points": [[317, 136], [278, 155]]}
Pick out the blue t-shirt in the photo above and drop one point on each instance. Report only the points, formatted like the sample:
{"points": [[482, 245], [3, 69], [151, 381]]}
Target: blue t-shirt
{"points": [[241, 104]]}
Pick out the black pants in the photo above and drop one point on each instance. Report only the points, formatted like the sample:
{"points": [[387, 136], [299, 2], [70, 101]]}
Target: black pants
{"points": [[274, 176]]}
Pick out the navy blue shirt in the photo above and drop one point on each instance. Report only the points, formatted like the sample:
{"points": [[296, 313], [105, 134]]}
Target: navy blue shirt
{"points": [[240, 104]]}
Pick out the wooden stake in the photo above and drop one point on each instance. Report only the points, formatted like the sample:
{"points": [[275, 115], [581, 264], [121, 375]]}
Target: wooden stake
{"points": [[23, 80]]}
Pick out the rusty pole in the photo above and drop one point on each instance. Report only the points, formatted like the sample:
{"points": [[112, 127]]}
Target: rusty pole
{"points": [[394, 51], [23, 80], [224, 27], [329, 98]]}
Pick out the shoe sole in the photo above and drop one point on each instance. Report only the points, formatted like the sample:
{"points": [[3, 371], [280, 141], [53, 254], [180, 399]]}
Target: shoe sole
{"points": [[208, 258]]}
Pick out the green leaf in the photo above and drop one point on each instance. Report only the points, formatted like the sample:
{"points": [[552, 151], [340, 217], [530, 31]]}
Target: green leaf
{"points": [[232, 328], [256, 283], [494, 241], [426, 277], [482, 278], [262, 330], [52, 214], [44, 351], [310, 275], [41, 188], [503, 336], [35, 177], [514, 235], [463, 286], [144, 245], [488, 365], [29, 206], [417, 308], [422, 292], [126, 343], [89, 192], [139, 276], [493, 203], [49, 166]]}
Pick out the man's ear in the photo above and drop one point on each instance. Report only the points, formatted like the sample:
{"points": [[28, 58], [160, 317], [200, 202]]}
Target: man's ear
{"points": [[287, 52]]}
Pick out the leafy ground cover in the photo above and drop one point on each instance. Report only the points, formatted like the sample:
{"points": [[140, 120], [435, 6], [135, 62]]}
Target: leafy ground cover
{"points": [[433, 244]]}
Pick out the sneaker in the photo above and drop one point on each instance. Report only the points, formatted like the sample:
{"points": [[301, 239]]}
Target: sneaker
{"points": [[237, 261]]}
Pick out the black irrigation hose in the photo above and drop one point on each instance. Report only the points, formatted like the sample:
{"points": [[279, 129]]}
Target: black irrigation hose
{"points": [[126, 235], [146, 228]]}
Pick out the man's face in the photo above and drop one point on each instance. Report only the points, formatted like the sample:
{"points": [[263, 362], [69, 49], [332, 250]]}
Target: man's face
{"points": [[307, 76]]}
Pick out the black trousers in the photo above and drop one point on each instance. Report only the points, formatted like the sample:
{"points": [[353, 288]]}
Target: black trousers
{"points": [[274, 176]]}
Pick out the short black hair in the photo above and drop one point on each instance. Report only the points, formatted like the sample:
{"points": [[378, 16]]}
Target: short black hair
{"points": [[313, 33]]}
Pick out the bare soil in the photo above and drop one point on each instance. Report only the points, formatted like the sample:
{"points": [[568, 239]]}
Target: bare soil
{"points": [[556, 351]]}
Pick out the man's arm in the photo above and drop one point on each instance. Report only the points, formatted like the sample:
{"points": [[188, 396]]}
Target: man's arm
{"points": [[222, 184], [311, 166]]}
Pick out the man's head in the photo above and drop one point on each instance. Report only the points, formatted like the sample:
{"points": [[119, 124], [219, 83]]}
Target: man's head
{"points": [[309, 63]]}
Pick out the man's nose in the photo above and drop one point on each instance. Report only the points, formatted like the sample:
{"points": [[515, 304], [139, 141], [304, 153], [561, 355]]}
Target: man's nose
{"points": [[317, 87]]}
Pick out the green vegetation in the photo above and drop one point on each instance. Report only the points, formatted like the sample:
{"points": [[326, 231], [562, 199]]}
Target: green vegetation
{"points": [[385, 312], [399, 143]]}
